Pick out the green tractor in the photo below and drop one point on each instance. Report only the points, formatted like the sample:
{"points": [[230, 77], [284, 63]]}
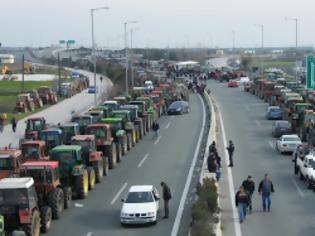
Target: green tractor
{"points": [[138, 123], [119, 134], [142, 112], [128, 125], [72, 169], [151, 109]]}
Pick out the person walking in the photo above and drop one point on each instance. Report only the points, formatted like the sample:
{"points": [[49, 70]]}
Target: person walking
{"points": [[156, 129], [241, 201], [166, 197], [265, 189], [211, 163], [230, 150], [212, 147], [101, 78], [14, 124], [249, 186]]}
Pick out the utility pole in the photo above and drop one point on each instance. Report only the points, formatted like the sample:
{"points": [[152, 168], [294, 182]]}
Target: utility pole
{"points": [[126, 54], [22, 73], [59, 75], [233, 40], [296, 45], [131, 59]]}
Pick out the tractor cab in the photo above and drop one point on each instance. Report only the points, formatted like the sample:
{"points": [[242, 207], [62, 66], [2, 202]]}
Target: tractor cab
{"points": [[102, 133], [52, 138], [87, 143], [142, 111], [126, 118], [83, 121], [34, 150], [148, 102], [96, 113], [18, 201], [116, 124], [107, 111], [10, 161], [34, 126], [113, 105], [133, 111], [68, 131], [121, 100]]}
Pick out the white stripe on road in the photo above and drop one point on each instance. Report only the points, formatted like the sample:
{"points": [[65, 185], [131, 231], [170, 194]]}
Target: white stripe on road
{"points": [[143, 159], [158, 140], [181, 206], [271, 145], [258, 123], [168, 125], [89, 234], [237, 225], [118, 194], [297, 188]]}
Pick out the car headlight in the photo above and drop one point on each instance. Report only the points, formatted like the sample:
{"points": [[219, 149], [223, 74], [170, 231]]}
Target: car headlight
{"points": [[151, 214], [178, 109], [123, 214]]}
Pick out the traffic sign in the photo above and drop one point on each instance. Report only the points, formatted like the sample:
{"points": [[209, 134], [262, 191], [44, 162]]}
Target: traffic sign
{"points": [[62, 41], [310, 72], [71, 41]]}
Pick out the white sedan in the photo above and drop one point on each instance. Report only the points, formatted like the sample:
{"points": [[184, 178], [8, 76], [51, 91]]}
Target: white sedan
{"points": [[141, 205], [288, 143]]}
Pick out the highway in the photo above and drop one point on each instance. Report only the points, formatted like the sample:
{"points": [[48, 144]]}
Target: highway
{"points": [[244, 121], [167, 158]]}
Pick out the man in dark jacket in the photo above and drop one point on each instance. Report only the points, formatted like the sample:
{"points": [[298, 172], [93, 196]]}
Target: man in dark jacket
{"points": [[166, 197], [212, 147], [241, 201], [211, 163], [265, 189], [156, 129], [230, 150], [249, 186]]}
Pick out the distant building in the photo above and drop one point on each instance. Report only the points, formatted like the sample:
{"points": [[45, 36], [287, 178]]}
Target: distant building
{"points": [[6, 59], [249, 52]]}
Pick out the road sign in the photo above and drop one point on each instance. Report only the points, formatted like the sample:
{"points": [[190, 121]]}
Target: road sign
{"points": [[71, 42], [310, 72], [62, 41]]}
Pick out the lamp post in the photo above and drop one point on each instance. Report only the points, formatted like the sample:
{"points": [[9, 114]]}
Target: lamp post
{"points": [[126, 49], [93, 47], [262, 34], [296, 43]]}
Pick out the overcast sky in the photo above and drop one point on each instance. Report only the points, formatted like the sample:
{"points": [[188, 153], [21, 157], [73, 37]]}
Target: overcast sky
{"points": [[162, 23]]}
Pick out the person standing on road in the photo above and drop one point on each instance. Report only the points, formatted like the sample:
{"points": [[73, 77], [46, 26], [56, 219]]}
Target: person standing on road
{"points": [[230, 150], [212, 147], [156, 129], [166, 197], [241, 201], [101, 78], [211, 163], [265, 189], [14, 124], [249, 186]]}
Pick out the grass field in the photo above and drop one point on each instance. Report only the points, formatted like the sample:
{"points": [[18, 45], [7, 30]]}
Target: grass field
{"points": [[265, 63]]}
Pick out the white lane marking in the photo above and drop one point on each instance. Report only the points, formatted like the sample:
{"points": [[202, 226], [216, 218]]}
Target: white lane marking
{"points": [[89, 234], [271, 145], [158, 140], [237, 225], [168, 125], [181, 206], [297, 188], [143, 159], [258, 123], [119, 192], [78, 205]]}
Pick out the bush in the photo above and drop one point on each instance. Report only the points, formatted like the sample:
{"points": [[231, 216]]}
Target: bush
{"points": [[205, 209]]}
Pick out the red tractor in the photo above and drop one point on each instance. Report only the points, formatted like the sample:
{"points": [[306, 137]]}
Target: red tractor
{"points": [[24, 103], [33, 151], [10, 161], [36, 98], [47, 95], [33, 126], [47, 185]]}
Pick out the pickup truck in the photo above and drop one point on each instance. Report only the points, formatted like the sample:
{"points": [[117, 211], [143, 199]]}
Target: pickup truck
{"points": [[305, 168]]}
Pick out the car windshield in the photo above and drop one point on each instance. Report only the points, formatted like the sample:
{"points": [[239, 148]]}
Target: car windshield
{"points": [[311, 163], [13, 197], [7, 163], [139, 197], [98, 132], [30, 151], [291, 139], [176, 105], [283, 125], [274, 109]]}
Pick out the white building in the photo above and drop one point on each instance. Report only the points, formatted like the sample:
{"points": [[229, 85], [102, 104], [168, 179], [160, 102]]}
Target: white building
{"points": [[6, 59]]}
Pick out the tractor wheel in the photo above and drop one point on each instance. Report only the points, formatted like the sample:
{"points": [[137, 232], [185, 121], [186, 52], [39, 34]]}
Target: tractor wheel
{"points": [[118, 151], [40, 103], [105, 166], [82, 185], [129, 141], [45, 219], [133, 137], [111, 153], [24, 109], [92, 178], [33, 229], [99, 170], [67, 196], [56, 202], [124, 145], [55, 99]]}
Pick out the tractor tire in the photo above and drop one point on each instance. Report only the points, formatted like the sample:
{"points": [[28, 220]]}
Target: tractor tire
{"points": [[129, 141], [105, 166], [92, 177], [40, 103], [112, 154], [33, 229], [125, 145], [133, 137], [99, 170], [82, 185], [56, 202], [67, 196], [118, 151], [45, 219]]}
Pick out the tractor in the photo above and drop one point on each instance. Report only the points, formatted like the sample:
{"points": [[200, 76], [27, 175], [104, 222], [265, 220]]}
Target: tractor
{"points": [[47, 95], [47, 185], [135, 119], [19, 207], [73, 172], [33, 126], [36, 98], [24, 103], [68, 131], [33, 150], [10, 161], [104, 142], [52, 137], [90, 156], [142, 112], [83, 121]]}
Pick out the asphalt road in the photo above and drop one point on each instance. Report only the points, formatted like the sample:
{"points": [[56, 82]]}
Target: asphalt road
{"points": [[151, 161], [293, 211]]}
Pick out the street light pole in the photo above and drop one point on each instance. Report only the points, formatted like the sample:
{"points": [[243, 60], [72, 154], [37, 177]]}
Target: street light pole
{"points": [[93, 48], [262, 34], [296, 44], [131, 58]]}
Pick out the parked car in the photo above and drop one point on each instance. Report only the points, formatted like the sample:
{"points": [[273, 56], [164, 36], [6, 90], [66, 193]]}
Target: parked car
{"points": [[148, 85], [288, 143], [281, 127], [274, 113], [92, 89], [232, 84], [305, 168], [141, 205], [178, 108]]}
